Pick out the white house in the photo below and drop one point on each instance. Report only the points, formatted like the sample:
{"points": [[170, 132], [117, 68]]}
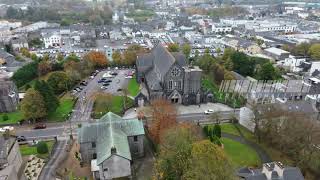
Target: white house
{"points": [[315, 66], [292, 63], [52, 40], [221, 28]]}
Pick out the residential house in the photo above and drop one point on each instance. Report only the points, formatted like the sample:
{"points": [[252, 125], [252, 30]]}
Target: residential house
{"points": [[167, 75], [19, 42], [52, 39], [271, 171], [10, 159], [9, 61], [111, 145]]}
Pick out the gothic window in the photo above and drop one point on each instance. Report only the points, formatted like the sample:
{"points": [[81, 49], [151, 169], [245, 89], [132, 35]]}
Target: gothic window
{"points": [[170, 84], [179, 85], [175, 72]]}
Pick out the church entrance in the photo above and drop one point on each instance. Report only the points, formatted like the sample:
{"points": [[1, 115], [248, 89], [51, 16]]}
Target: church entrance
{"points": [[174, 100], [175, 97]]}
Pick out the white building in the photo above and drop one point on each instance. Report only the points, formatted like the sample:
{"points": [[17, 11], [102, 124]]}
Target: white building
{"points": [[267, 26], [292, 63], [221, 28], [315, 65], [52, 40]]}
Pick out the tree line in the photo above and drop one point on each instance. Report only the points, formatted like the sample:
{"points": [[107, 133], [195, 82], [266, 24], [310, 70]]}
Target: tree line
{"points": [[311, 50]]}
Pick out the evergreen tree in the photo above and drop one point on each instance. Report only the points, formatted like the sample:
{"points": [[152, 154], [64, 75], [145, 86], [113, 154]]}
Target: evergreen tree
{"points": [[50, 99]]}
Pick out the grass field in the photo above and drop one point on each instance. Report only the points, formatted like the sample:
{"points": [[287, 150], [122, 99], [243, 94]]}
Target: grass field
{"points": [[116, 106], [65, 107], [27, 150], [229, 128], [14, 118], [133, 87], [240, 154]]}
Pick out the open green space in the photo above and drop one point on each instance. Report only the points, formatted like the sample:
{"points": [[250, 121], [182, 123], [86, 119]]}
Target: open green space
{"points": [[13, 118], [65, 107], [116, 106], [133, 87], [240, 154], [27, 150], [229, 128], [140, 15]]}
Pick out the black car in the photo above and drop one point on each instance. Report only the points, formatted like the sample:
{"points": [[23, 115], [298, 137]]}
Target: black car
{"points": [[114, 74], [103, 79], [108, 81], [21, 139], [105, 84], [119, 90]]}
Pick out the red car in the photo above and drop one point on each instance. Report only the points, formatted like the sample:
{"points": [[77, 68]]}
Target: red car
{"points": [[40, 126]]}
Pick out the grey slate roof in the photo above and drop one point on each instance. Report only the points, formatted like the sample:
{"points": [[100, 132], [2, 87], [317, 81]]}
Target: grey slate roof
{"points": [[156, 64]]}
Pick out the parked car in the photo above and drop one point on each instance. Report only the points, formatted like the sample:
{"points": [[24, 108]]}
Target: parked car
{"points": [[119, 89], [105, 84], [40, 126], [5, 128], [104, 87], [83, 83], [114, 73], [21, 138], [100, 81], [108, 81], [209, 111]]}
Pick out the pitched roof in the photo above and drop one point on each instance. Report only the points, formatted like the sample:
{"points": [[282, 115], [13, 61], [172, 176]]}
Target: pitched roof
{"points": [[111, 132]]}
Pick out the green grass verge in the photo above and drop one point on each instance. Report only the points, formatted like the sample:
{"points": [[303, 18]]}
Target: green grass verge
{"points": [[116, 107], [27, 150], [133, 87], [65, 107], [14, 118], [240, 154], [229, 128]]}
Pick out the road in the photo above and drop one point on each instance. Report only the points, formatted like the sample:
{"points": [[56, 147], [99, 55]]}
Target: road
{"points": [[63, 129]]}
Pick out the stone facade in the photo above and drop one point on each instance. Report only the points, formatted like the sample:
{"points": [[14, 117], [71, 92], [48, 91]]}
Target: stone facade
{"points": [[166, 75]]}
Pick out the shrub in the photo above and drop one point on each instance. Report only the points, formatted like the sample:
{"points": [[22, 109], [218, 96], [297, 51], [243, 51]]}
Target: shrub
{"points": [[216, 140], [5, 117], [217, 130], [42, 147]]}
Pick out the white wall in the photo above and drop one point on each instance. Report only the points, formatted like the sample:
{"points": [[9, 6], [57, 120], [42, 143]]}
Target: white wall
{"points": [[246, 118]]}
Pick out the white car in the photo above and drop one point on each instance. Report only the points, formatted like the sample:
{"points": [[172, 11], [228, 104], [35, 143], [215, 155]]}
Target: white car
{"points": [[209, 111], [104, 87], [9, 128]]}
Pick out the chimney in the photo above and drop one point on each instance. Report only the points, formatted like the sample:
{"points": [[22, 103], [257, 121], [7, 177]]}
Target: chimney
{"points": [[113, 150]]}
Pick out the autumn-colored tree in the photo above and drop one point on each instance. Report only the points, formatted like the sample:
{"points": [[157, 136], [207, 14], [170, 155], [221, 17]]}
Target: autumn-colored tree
{"points": [[99, 59], [129, 57], [209, 158], [44, 67], [164, 116], [173, 47], [33, 105], [117, 58], [25, 52], [175, 152]]}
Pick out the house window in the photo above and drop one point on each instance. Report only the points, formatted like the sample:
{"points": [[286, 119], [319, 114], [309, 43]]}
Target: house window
{"points": [[135, 138], [94, 156], [93, 144], [105, 169]]}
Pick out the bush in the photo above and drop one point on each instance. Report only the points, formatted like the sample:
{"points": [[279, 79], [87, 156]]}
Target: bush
{"points": [[217, 130], [216, 140], [42, 148], [5, 117]]}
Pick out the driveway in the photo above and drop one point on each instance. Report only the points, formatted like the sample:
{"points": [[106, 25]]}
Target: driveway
{"points": [[193, 109]]}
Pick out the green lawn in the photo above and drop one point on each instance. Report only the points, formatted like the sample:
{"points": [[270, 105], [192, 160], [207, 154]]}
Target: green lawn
{"points": [[65, 107], [14, 118], [229, 128], [116, 107], [133, 87], [240, 154], [27, 150]]}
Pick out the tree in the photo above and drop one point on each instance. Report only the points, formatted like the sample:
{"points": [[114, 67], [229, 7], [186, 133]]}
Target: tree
{"points": [[42, 147], [302, 49], [25, 74], [33, 105], [25, 52], [44, 67], [164, 116], [208, 161], [50, 99], [217, 130], [59, 82], [314, 51], [117, 58], [242, 64], [60, 57], [175, 152], [267, 72], [34, 57], [173, 47], [129, 57], [99, 59], [186, 49]]}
